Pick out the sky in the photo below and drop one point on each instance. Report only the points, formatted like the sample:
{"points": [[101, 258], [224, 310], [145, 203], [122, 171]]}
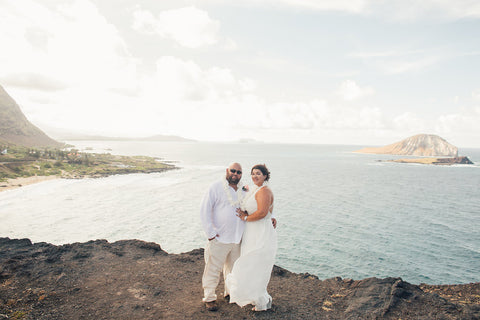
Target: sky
{"points": [[354, 72]]}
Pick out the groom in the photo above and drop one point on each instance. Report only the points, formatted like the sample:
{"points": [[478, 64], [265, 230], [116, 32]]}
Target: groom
{"points": [[223, 229]]}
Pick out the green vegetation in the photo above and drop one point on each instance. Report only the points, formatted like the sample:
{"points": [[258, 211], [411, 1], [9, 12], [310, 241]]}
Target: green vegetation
{"points": [[18, 315], [26, 162]]}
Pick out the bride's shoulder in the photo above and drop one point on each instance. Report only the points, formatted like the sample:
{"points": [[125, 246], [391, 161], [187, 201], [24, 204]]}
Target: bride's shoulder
{"points": [[265, 190]]}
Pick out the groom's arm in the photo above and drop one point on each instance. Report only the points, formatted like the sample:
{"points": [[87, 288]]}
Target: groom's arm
{"points": [[206, 214]]}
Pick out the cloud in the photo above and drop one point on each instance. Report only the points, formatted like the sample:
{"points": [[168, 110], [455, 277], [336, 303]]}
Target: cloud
{"points": [[476, 95], [217, 104], [188, 26], [349, 90], [412, 65], [409, 122], [383, 54], [465, 121], [354, 6], [445, 9], [179, 79], [32, 81], [85, 78], [396, 9], [397, 61], [68, 58], [274, 63], [309, 115], [70, 42]]}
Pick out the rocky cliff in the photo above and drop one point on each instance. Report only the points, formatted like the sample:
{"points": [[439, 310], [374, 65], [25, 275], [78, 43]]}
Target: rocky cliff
{"points": [[15, 127], [133, 279], [418, 145]]}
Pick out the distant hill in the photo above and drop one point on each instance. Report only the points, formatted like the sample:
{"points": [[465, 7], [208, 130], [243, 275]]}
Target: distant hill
{"points": [[83, 137], [15, 127], [164, 138], [418, 145]]}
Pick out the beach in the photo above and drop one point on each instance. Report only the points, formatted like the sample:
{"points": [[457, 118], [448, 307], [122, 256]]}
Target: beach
{"points": [[20, 182]]}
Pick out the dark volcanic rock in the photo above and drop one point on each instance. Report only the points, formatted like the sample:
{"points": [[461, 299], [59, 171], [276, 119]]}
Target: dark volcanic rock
{"points": [[456, 160], [433, 161], [133, 279]]}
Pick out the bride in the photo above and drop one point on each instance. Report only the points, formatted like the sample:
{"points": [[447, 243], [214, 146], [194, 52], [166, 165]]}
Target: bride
{"points": [[251, 272]]}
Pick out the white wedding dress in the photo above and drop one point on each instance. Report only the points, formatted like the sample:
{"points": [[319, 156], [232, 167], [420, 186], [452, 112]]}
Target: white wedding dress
{"points": [[247, 283]]}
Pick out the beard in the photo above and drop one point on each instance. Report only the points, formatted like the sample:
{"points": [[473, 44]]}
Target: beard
{"points": [[232, 179]]}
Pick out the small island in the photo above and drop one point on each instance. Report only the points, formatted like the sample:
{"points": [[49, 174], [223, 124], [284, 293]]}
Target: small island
{"points": [[431, 149]]}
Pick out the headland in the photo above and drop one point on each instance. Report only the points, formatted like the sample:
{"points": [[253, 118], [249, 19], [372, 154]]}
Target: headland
{"points": [[21, 166], [132, 279]]}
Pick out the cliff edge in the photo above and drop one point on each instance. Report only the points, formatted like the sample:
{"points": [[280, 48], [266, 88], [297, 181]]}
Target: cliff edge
{"points": [[132, 279], [419, 145]]}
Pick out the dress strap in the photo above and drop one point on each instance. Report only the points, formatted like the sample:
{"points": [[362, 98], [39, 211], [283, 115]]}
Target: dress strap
{"points": [[258, 189]]}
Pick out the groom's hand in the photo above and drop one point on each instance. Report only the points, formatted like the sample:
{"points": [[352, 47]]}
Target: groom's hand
{"points": [[274, 222]]}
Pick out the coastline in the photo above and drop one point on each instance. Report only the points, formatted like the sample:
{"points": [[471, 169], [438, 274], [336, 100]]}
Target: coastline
{"points": [[114, 165], [22, 167], [133, 279]]}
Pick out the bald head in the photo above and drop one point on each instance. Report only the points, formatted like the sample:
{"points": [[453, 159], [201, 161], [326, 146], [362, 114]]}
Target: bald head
{"points": [[234, 173]]}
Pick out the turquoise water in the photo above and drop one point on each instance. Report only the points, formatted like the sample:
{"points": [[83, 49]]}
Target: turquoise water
{"points": [[339, 213]]}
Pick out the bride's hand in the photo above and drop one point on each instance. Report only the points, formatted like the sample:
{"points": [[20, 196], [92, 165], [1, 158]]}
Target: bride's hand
{"points": [[241, 213]]}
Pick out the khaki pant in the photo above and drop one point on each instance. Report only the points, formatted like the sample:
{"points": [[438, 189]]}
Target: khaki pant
{"points": [[218, 256]]}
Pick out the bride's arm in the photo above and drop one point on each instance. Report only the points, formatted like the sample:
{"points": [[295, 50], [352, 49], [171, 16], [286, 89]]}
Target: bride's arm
{"points": [[264, 199]]}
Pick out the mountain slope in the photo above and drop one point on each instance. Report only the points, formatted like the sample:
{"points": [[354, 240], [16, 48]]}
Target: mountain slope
{"points": [[15, 127], [418, 145]]}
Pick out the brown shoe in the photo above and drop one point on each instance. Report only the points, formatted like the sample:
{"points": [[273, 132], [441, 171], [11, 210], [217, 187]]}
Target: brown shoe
{"points": [[211, 305]]}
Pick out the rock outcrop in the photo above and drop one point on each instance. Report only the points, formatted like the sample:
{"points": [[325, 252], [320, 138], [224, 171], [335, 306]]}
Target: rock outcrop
{"points": [[435, 161], [132, 279], [15, 127], [419, 145]]}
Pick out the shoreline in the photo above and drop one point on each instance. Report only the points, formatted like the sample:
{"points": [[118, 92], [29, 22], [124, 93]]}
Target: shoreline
{"points": [[15, 183], [24, 181], [22, 167]]}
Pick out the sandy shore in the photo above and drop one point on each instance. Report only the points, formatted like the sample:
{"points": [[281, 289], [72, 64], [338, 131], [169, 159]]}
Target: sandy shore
{"points": [[19, 182]]}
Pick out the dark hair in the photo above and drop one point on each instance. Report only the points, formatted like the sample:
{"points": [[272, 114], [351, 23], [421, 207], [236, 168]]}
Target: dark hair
{"points": [[262, 168]]}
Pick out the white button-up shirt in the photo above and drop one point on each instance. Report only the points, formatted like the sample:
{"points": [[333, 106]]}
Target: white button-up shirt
{"points": [[219, 216]]}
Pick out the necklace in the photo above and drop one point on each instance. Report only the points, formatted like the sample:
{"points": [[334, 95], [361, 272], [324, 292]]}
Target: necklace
{"points": [[233, 203]]}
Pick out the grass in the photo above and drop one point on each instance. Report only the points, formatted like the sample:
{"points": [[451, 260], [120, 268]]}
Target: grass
{"points": [[418, 160], [27, 162]]}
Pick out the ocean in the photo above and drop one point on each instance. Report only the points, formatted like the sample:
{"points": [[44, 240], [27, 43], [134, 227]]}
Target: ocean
{"points": [[339, 213]]}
